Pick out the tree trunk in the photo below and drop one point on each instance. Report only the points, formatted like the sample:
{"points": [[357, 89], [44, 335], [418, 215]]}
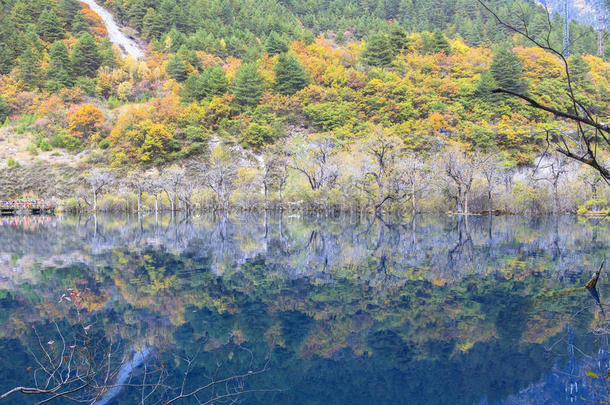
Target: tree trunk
{"points": [[266, 194], [489, 203], [139, 200], [555, 199], [413, 199], [94, 201]]}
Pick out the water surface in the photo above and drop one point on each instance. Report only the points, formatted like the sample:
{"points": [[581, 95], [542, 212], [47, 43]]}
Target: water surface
{"points": [[334, 310]]}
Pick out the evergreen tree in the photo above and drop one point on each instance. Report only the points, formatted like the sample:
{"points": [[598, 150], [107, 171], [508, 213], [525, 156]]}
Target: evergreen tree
{"points": [[398, 39], [275, 45], [59, 74], [79, 24], [152, 24], [215, 80], [485, 88], [106, 51], [67, 10], [21, 15], [4, 110], [49, 27], [290, 76], [248, 85], [85, 56], [440, 43], [137, 11], [6, 59], [507, 71], [212, 82], [378, 51], [579, 68], [176, 68], [193, 89], [30, 70]]}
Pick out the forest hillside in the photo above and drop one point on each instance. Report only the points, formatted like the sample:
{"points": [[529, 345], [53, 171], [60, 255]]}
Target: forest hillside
{"points": [[369, 105]]}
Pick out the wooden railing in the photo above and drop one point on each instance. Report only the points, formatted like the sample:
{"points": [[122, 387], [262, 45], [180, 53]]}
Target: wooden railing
{"points": [[26, 207]]}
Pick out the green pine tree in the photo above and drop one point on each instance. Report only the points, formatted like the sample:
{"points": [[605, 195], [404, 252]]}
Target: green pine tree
{"points": [[86, 58], [274, 44], [30, 70], [485, 88], [4, 110], [507, 71], [378, 51], [137, 11], [212, 82], [215, 80], [152, 24], [107, 55], [59, 73], [7, 59], [21, 15], [67, 10], [79, 24], [193, 89], [398, 39], [290, 76], [176, 68], [248, 85], [49, 28], [440, 43]]}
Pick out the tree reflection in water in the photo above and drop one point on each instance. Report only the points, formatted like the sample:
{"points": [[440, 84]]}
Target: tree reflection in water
{"points": [[350, 309]]}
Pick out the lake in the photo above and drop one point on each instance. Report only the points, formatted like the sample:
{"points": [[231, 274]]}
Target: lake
{"points": [[287, 309]]}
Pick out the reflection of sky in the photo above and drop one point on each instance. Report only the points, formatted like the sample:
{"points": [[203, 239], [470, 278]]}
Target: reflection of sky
{"points": [[577, 379]]}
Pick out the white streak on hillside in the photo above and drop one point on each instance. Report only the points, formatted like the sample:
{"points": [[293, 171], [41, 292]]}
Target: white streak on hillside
{"points": [[116, 36]]}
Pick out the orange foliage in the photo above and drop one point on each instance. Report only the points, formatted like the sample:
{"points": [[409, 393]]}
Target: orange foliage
{"points": [[96, 24], [85, 121]]}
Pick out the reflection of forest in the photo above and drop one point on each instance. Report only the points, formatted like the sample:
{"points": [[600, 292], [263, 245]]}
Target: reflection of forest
{"points": [[379, 310], [439, 249]]}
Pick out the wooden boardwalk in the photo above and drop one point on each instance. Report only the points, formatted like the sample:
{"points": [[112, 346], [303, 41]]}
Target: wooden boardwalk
{"points": [[26, 207]]}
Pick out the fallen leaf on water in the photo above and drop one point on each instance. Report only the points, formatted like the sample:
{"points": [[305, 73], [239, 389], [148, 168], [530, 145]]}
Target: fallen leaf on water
{"points": [[71, 347], [591, 374], [28, 369], [50, 342], [87, 327]]}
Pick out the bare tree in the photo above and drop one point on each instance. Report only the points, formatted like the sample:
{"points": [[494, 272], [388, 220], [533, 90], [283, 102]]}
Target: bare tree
{"points": [[385, 175], [219, 173], [552, 168], [460, 170], [591, 135], [593, 179], [153, 185], [98, 180], [137, 182], [490, 168], [315, 160], [275, 162], [171, 181], [412, 169], [186, 192]]}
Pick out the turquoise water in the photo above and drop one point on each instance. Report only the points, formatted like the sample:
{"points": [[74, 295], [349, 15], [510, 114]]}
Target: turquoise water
{"points": [[305, 310]]}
